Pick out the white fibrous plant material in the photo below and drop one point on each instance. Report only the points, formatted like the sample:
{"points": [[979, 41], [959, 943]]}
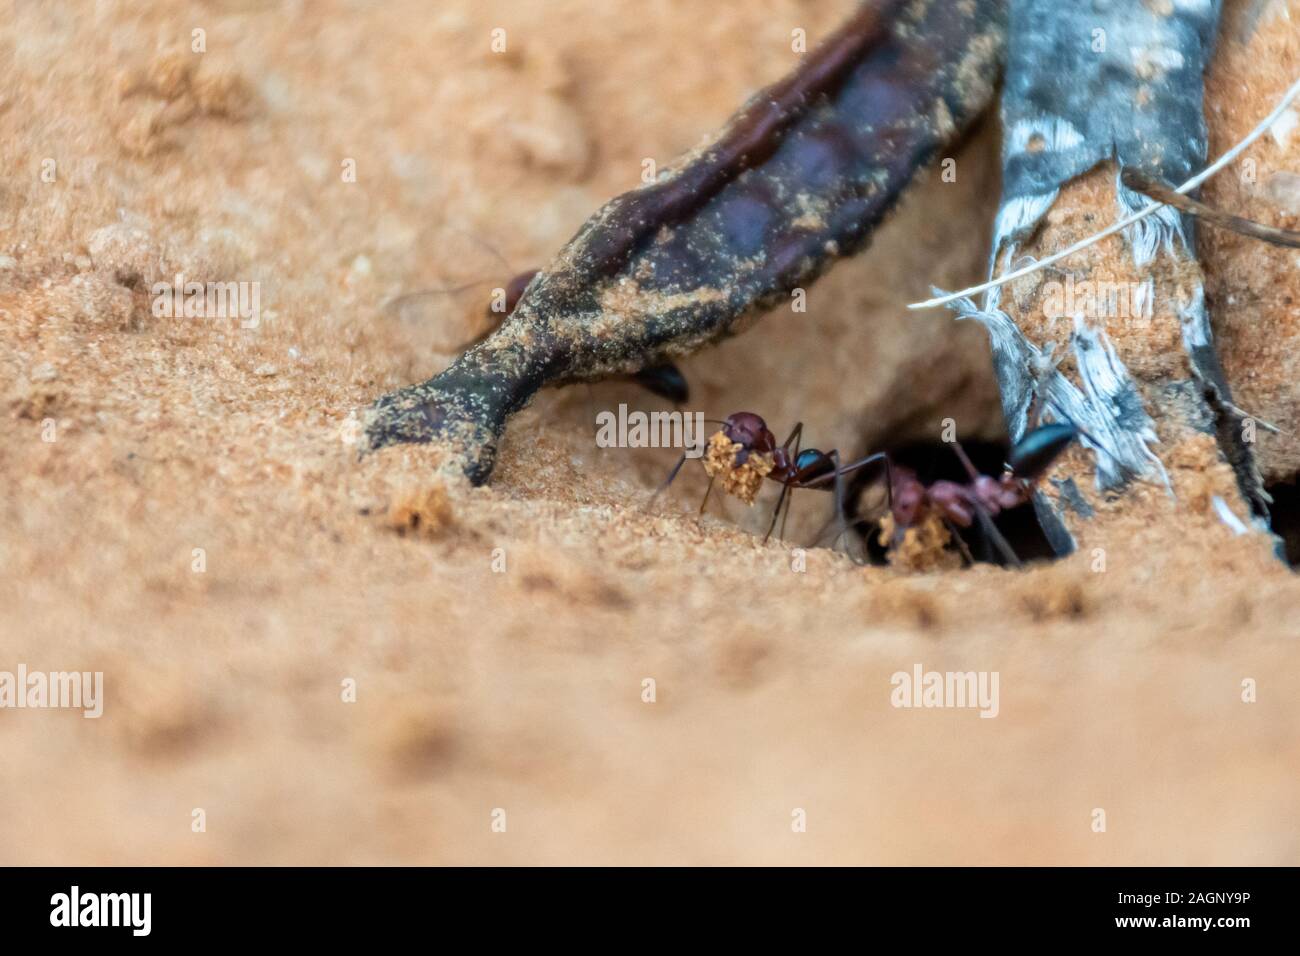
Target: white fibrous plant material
{"points": [[1225, 514], [1116, 407], [1108, 410], [1074, 75], [1162, 231]]}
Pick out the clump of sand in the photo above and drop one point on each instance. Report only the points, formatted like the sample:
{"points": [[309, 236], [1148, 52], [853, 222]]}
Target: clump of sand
{"points": [[921, 547], [741, 481], [424, 510]]}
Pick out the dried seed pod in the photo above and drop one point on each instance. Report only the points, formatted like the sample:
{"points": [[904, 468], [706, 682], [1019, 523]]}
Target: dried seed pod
{"points": [[799, 177]]}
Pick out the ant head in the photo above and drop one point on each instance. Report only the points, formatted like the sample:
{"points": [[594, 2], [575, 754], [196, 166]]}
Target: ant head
{"points": [[749, 431], [1035, 453]]}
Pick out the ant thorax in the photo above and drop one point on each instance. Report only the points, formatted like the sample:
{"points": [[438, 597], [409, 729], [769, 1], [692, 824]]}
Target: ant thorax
{"points": [[740, 475], [999, 494]]}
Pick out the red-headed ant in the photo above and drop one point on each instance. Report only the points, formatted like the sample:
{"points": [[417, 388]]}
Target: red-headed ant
{"points": [[983, 497], [745, 451]]}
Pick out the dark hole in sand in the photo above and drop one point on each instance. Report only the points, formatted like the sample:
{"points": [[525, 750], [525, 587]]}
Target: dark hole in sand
{"points": [[935, 461], [1285, 516]]}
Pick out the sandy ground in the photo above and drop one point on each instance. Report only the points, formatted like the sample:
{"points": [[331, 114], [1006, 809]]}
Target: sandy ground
{"points": [[185, 510]]}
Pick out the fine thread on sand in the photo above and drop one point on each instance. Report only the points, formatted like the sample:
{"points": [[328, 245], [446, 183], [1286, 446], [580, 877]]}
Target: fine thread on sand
{"points": [[1292, 92]]}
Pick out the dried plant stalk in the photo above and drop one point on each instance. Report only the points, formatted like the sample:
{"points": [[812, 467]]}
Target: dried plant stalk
{"points": [[798, 178], [1140, 376]]}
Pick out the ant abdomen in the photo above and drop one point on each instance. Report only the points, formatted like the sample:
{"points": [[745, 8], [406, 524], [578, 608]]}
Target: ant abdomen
{"points": [[1034, 453], [813, 463]]}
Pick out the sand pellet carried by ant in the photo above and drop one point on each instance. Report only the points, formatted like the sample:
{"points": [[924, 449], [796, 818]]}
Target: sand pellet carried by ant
{"points": [[744, 452]]}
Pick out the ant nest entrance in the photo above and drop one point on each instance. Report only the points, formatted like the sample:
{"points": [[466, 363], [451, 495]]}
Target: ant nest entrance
{"points": [[933, 545], [741, 481]]}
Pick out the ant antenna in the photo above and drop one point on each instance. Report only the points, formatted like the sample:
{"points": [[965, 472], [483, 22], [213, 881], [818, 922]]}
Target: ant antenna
{"points": [[397, 301], [484, 245], [465, 287]]}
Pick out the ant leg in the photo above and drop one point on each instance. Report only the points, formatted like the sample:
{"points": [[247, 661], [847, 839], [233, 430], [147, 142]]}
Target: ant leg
{"points": [[707, 492], [667, 481], [838, 520], [994, 535], [837, 517], [855, 466], [788, 503], [795, 437], [837, 477], [834, 456], [785, 488], [986, 523], [961, 544], [965, 460], [889, 482], [889, 473]]}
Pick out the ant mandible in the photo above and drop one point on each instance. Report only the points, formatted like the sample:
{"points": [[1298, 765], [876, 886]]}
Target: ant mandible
{"points": [[748, 452]]}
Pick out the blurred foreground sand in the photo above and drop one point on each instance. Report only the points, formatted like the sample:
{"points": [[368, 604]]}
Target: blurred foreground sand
{"points": [[522, 690]]}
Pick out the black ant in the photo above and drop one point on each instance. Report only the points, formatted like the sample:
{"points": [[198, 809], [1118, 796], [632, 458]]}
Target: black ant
{"points": [[749, 453], [983, 497]]}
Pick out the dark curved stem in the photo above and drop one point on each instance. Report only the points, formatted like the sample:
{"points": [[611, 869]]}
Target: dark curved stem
{"points": [[727, 233]]}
